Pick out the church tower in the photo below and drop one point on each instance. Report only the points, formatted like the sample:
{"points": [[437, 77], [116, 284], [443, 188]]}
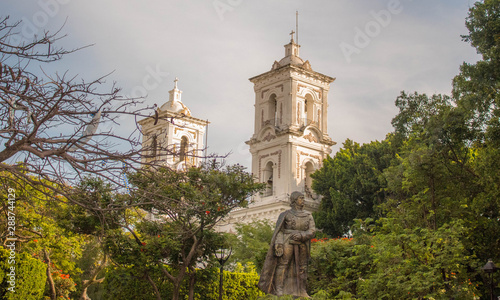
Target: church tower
{"points": [[173, 137], [290, 137]]}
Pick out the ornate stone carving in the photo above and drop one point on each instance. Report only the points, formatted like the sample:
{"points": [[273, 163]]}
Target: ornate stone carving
{"points": [[299, 86], [193, 133], [302, 86], [261, 157], [176, 129], [269, 137], [309, 155], [307, 65], [276, 65], [310, 137]]}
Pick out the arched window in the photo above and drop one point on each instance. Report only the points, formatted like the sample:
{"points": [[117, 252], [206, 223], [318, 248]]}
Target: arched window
{"points": [[273, 111], [184, 148], [154, 146], [309, 170], [308, 109], [268, 177]]}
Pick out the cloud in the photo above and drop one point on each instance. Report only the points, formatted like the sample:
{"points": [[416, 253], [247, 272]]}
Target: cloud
{"points": [[420, 49]]}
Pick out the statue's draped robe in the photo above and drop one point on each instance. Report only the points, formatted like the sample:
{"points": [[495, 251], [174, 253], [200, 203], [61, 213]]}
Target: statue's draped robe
{"points": [[268, 273]]}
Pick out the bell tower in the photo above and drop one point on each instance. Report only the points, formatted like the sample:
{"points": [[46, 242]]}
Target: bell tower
{"points": [[290, 137], [173, 137]]}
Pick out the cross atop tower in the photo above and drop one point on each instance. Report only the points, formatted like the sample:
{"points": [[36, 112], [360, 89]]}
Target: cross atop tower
{"points": [[291, 36], [175, 93]]}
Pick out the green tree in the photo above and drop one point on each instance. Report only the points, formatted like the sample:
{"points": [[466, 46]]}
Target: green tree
{"points": [[92, 263], [476, 89], [29, 276], [388, 261], [418, 263], [39, 233], [433, 180], [175, 229], [250, 243], [462, 143], [122, 283], [441, 197], [337, 265], [352, 184]]}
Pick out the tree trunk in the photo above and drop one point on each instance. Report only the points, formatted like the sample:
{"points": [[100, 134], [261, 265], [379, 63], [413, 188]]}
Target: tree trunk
{"points": [[93, 279], [192, 280], [53, 293], [84, 295], [176, 291], [155, 288]]}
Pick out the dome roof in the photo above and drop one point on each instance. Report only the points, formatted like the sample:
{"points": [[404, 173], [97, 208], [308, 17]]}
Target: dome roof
{"points": [[176, 106], [292, 57], [174, 103], [291, 60]]}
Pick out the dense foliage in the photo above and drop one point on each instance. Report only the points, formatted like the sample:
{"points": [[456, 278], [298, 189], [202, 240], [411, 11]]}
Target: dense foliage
{"points": [[433, 202], [413, 216], [169, 228], [123, 283], [352, 184], [39, 234], [250, 243], [401, 264], [29, 278]]}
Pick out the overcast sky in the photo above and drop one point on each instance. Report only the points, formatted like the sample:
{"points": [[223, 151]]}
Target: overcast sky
{"points": [[375, 49]]}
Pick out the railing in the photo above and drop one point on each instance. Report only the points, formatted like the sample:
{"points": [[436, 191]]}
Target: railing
{"points": [[278, 122]]}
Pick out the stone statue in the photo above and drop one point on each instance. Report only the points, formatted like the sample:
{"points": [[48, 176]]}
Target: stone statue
{"points": [[285, 268]]}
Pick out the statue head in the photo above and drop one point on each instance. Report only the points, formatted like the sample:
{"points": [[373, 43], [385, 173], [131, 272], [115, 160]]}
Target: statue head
{"points": [[294, 197]]}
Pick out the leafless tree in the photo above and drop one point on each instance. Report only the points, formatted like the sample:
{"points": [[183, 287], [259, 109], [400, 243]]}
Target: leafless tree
{"points": [[48, 122]]}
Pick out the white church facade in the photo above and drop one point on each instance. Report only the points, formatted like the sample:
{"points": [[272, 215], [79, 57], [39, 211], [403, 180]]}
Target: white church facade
{"points": [[289, 142], [290, 137], [173, 137]]}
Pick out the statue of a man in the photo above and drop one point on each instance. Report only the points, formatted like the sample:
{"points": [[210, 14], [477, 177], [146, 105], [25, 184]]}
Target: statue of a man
{"points": [[285, 269]]}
